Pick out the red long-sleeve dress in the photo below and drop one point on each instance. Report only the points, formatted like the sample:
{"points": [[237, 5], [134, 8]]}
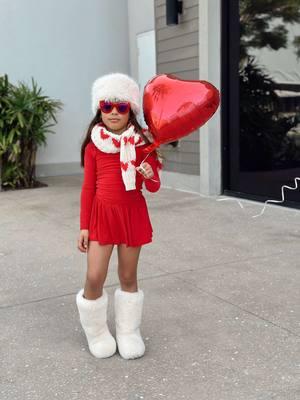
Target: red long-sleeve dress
{"points": [[110, 213]]}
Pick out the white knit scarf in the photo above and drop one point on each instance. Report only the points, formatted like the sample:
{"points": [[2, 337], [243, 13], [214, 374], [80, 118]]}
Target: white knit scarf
{"points": [[124, 143]]}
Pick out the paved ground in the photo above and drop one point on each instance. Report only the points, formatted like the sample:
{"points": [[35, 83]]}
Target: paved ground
{"points": [[221, 311]]}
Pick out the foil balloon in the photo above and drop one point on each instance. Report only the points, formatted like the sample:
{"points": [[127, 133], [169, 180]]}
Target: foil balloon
{"points": [[174, 107]]}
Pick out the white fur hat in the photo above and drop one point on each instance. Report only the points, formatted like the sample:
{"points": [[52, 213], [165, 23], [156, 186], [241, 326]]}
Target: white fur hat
{"points": [[116, 86]]}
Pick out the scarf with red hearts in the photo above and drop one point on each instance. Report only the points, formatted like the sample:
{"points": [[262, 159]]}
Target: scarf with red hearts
{"points": [[124, 143]]}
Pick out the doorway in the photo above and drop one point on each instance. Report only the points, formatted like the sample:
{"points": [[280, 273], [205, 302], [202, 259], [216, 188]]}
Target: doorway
{"points": [[261, 100]]}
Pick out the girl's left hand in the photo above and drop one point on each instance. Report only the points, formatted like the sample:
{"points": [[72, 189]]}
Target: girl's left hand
{"points": [[146, 170]]}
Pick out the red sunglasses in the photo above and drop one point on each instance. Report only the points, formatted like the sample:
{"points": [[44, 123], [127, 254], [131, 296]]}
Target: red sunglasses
{"points": [[107, 106]]}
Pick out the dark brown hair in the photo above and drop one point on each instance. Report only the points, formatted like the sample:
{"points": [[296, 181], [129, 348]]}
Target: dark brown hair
{"points": [[96, 120]]}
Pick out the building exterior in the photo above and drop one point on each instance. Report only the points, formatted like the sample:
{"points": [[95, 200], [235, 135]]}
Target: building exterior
{"points": [[251, 146], [187, 51]]}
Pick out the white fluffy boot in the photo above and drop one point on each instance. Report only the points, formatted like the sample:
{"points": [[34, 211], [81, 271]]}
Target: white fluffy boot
{"points": [[128, 316], [93, 318]]}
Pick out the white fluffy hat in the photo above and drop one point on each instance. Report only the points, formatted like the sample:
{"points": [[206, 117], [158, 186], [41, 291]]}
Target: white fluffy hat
{"points": [[116, 86]]}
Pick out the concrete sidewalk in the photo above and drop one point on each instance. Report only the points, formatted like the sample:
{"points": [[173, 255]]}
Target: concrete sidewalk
{"points": [[221, 311]]}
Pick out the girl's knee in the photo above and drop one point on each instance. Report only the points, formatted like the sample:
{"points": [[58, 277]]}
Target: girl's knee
{"points": [[94, 281], [127, 279]]}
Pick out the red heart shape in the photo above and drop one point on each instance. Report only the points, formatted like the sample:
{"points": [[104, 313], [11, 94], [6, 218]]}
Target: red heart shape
{"points": [[116, 142], [174, 107], [124, 166], [131, 140], [103, 135]]}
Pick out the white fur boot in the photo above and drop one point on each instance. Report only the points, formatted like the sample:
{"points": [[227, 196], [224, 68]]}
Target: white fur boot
{"points": [[128, 316], [93, 318]]}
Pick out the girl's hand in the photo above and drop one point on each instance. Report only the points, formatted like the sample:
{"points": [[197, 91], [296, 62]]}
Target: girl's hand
{"points": [[146, 170], [83, 240]]}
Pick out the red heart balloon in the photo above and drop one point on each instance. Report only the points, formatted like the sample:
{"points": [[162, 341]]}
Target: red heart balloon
{"points": [[175, 107]]}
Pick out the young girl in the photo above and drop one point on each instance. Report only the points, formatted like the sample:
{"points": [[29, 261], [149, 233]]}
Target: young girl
{"points": [[113, 211]]}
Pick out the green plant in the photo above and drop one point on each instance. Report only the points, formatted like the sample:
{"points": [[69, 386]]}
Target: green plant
{"points": [[25, 119], [6, 133]]}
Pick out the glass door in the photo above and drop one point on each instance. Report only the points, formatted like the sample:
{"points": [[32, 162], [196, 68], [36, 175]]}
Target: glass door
{"points": [[261, 98]]}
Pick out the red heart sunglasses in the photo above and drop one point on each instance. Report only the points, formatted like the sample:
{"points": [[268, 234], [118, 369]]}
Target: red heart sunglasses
{"points": [[107, 106]]}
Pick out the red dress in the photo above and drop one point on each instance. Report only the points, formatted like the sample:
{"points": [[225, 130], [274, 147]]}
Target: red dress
{"points": [[110, 213]]}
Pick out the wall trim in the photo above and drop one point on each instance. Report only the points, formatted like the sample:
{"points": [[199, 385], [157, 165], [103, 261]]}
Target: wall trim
{"points": [[185, 182], [58, 169], [210, 70]]}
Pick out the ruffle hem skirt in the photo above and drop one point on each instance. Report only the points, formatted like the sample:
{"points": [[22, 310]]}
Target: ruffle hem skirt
{"points": [[116, 222]]}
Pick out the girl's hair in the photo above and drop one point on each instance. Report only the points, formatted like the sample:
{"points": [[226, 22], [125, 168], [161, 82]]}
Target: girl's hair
{"points": [[97, 119]]}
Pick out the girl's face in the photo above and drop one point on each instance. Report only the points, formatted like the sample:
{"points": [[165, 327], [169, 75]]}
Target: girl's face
{"points": [[114, 121]]}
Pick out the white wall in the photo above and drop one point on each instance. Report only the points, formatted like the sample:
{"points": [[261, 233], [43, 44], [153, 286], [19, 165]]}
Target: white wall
{"points": [[64, 45], [140, 19]]}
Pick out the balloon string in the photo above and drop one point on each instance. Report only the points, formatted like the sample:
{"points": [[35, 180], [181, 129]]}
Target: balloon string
{"points": [[143, 168], [268, 201], [282, 197]]}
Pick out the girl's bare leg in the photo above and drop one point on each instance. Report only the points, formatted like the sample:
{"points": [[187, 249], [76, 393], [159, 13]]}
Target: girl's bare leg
{"points": [[127, 266], [98, 257]]}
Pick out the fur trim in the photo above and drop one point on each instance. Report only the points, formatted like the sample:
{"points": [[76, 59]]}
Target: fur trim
{"points": [[128, 316], [91, 305], [93, 318], [128, 307], [116, 86]]}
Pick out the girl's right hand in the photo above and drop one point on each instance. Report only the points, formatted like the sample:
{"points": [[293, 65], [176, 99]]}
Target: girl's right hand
{"points": [[83, 240]]}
